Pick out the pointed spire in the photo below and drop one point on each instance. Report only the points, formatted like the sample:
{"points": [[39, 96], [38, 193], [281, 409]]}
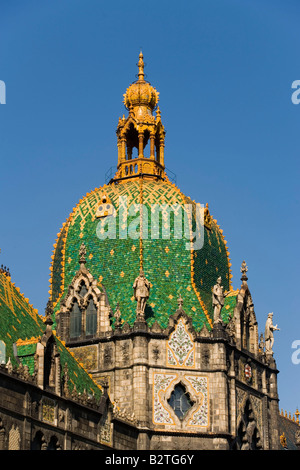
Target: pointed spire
{"points": [[244, 269], [82, 254], [48, 322], [48, 313], [180, 302], [139, 129], [140, 65], [5, 270], [297, 413], [9, 366]]}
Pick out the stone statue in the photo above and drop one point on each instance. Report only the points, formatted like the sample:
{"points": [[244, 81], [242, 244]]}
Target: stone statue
{"points": [[141, 288], [269, 337], [218, 297]]}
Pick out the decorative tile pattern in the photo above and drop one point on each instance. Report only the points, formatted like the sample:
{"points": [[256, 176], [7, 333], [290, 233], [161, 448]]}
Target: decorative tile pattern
{"points": [[86, 355], [180, 347], [48, 410], [14, 441], [161, 383], [170, 267], [200, 417]]}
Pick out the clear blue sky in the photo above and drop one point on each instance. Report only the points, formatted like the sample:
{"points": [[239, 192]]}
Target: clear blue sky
{"points": [[224, 71]]}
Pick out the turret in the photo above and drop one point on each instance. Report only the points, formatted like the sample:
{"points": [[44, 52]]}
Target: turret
{"points": [[139, 130]]}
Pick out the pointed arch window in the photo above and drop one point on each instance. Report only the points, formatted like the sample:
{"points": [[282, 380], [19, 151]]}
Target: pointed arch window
{"points": [[91, 318], [248, 436], [180, 401], [75, 321]]}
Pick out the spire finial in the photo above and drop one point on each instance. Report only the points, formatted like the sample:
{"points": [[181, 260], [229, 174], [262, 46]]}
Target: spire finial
{"points": [[139, 129], [297, 416], [82, 254], [180, 302], [48, 313], [141, 67], [244, 269]]}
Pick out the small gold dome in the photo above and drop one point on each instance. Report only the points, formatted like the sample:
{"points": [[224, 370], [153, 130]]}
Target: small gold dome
{"points": [[141, 93]]}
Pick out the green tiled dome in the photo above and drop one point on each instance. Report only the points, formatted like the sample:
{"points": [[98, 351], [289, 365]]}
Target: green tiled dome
{"points": [[115, 260]]}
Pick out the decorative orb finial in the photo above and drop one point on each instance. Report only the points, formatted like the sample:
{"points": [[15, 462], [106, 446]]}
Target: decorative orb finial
{"points": [[140, 96]]}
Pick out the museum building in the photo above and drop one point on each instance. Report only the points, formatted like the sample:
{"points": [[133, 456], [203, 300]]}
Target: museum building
{"points": [[145, 344]]}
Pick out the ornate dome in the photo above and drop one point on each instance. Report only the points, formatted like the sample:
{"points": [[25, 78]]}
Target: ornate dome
{"points": [[141, 93], [116, 224], [114, 258]]}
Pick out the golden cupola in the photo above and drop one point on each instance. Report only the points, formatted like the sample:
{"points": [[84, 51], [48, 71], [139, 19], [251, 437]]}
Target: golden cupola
{"points": [[141, 136], [140, 95]]}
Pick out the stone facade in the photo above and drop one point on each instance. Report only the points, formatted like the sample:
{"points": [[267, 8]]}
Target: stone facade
{"points": [[228, 382], [36, 419], [152, 324], [47, 400]]}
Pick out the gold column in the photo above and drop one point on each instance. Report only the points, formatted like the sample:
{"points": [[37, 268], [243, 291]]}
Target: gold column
{"points": [[141, 144], [152, 148], [123, 149], [161, 151], [119, 151]]}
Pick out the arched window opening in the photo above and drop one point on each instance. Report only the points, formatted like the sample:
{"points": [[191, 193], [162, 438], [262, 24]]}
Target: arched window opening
{"points": [[91, 318], [248, 437], [54, 444], [146, 139], [132, 140], [38, 442], [75, 321], [82, 289], [180, 401], [49, 366], [157, 148]]}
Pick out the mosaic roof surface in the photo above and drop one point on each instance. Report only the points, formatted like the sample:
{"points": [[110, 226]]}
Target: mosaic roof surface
{"points": [[172, 269], [20, 324]]}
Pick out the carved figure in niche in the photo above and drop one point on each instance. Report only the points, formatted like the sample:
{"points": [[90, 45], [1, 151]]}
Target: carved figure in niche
{"points": [[218, 297], [250, 433], [141, 288], [230, 328], [269, 336]]}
